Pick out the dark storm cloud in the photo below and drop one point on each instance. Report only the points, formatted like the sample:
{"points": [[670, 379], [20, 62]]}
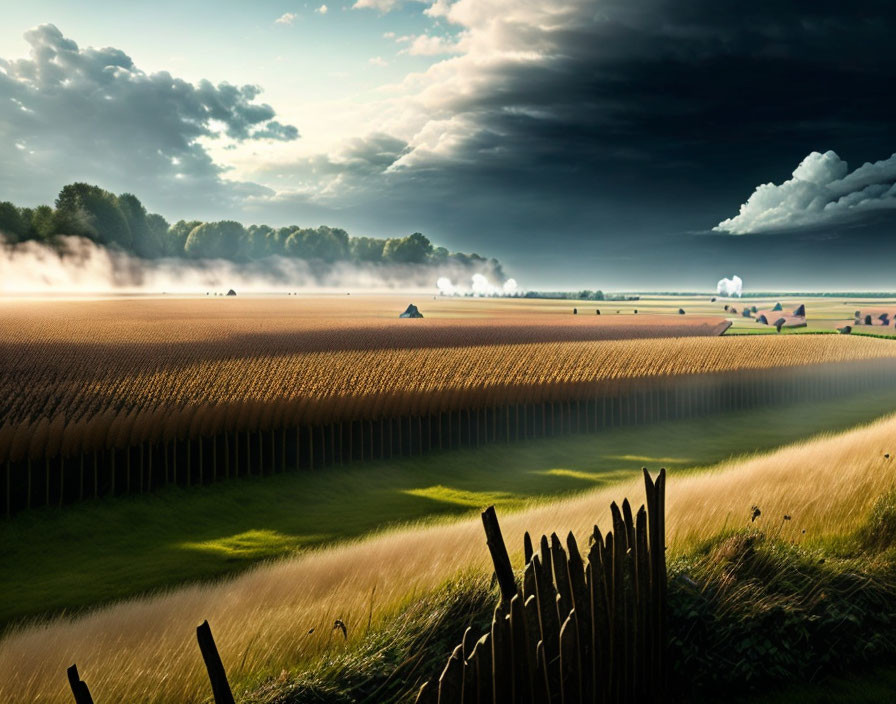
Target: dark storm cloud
{"points": [[682, 85], [68, 113], [618, 127]]}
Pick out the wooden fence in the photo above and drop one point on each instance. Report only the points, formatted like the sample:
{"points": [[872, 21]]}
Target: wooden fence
{"points": [[213, 665], [189, 460], [577, 631]]}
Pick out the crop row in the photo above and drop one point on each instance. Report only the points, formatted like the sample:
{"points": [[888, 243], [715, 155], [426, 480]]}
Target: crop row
{"points": [[198, 423]]}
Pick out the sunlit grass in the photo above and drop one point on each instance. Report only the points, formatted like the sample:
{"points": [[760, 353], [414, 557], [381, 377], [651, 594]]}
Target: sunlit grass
{"points": [[264, 618], [252, 544], [98, 552], [459, 497]]}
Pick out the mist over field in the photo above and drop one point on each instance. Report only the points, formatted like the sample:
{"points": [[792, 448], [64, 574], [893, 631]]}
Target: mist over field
{"points": [[78, 265]]}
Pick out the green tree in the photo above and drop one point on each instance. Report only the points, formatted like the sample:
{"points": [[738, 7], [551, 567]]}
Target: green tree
{"points": [[158, 233], [413, 249], [43, 223], [439, 255], [12, 225], [325, 244], [216, 240], [176, 240], [366, 249], [260, 241], [92, 212], [144, 242]]}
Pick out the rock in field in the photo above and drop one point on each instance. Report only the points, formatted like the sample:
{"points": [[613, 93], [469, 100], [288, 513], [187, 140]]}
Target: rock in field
{"points": [[411, 312]]}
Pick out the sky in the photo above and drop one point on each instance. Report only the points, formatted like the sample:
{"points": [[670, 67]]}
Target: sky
{"points": [[614, 144]]}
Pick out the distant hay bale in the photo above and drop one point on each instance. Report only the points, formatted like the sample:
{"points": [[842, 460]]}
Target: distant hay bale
{"points": [[845, 330], [575, 311], [800, 311], [762, 319], [681, 311], [597, 311], [778, 306], [727, 306]]}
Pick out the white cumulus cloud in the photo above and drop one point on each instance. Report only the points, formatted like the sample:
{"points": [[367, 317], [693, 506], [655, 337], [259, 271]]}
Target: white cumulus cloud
{"points": [[381, 5], [322, 9], [821, 191], [730, 287], [428, 45], [286, 18], [71, 113]]}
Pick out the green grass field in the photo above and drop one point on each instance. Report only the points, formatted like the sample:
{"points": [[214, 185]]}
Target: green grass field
{"points": [[98, 552], [824, 314]]}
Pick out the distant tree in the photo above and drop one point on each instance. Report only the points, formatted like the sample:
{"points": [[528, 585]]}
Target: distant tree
{"points": [[294, 243], [144, 243], [123, 222], [337, 242], [276, 241], [157, 227], [12, 225], [258, 242], [90, 211], [325, 243], [467, 260], [43, 223], [176, 241], [366, 249], [216, 240], [413, 249]]}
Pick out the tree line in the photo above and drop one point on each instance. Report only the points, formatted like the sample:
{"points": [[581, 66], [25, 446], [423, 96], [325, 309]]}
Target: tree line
{"points": [[122, 222]]}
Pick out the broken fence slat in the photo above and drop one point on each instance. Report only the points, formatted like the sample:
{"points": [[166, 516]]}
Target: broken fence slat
{"points": [[213, 664], [79, 687], [498, 550]]}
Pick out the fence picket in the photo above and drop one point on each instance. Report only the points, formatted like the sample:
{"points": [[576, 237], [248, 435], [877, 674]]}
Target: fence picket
{"points": [[78, 686]]}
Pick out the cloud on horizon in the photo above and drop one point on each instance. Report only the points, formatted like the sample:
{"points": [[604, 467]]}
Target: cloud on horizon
{"points": [[821, 192]]}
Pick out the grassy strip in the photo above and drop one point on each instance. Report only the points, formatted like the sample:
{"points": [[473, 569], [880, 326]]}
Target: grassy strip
{"points": [[752, 617], [99, 552], [390, 663]]}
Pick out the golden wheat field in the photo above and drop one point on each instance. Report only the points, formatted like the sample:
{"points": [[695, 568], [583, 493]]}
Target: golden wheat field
{"points": [[143, 650], [94, 374]]}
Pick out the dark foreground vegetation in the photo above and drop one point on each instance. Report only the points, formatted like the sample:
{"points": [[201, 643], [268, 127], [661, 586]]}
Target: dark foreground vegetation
{"points": [[752, 618]]}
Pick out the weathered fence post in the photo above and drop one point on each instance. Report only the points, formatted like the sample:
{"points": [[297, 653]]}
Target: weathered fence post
{"points": [[220, 686], [79, 687], [498, 550], [577, 632]]}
